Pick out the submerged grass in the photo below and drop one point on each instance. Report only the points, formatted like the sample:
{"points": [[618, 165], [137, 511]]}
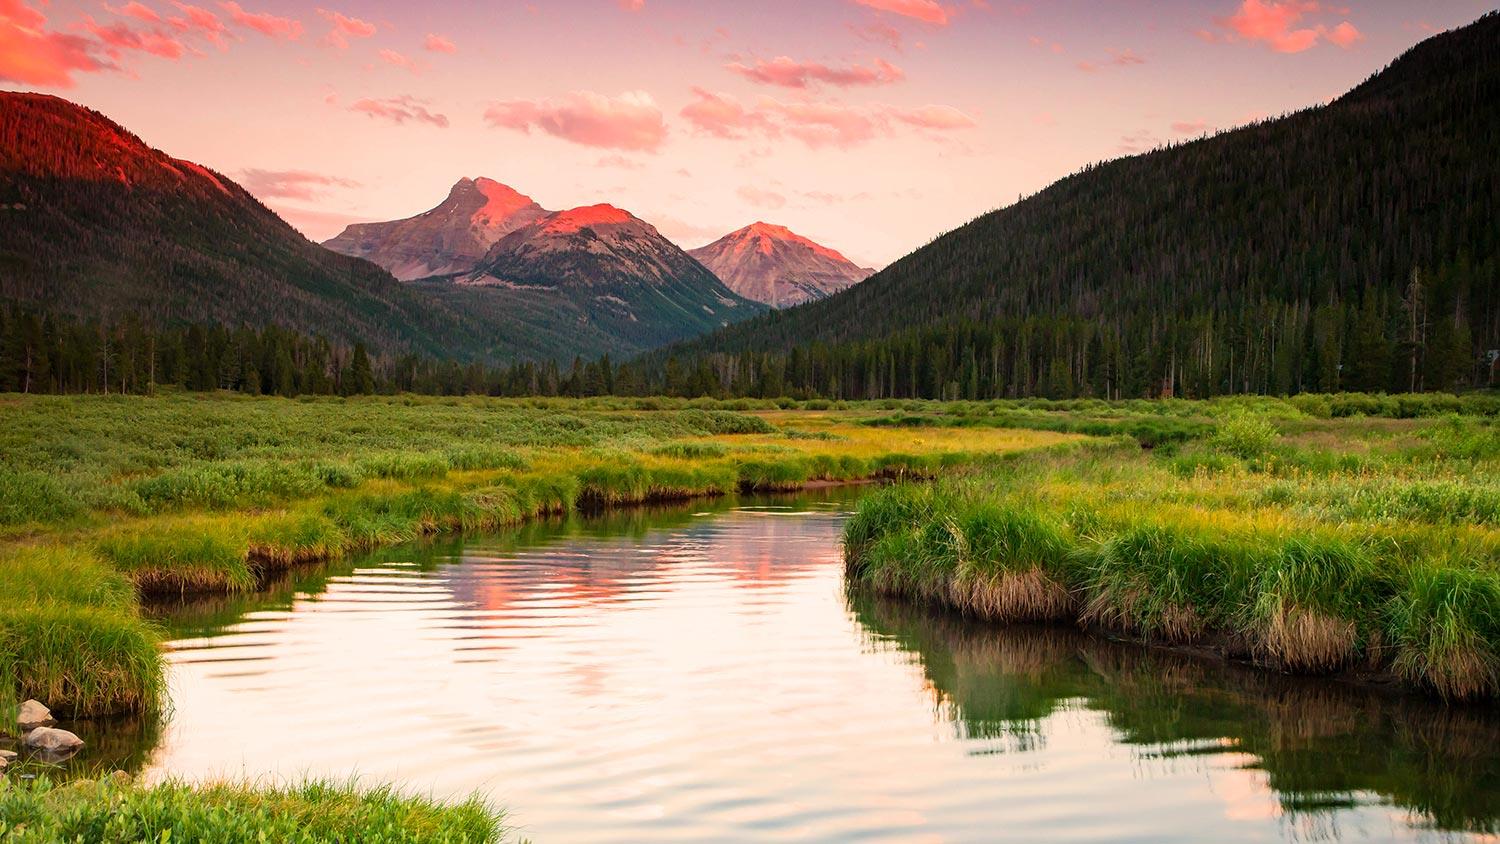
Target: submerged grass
{"points": [[314, 811]]}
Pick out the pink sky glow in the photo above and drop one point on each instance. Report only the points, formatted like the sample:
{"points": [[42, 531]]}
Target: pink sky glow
{"points": [[868, 125]]}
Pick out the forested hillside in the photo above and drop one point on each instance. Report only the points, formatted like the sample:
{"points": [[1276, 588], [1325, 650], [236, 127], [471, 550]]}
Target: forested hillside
{"points": [[96, 224], [1349, 246]]}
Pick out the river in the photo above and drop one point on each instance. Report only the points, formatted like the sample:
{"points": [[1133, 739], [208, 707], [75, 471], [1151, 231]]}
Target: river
{"points": [[701, 674]]}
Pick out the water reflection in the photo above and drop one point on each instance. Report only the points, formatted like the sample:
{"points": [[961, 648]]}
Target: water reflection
{"points": [[700, 673], [1321, 746]]}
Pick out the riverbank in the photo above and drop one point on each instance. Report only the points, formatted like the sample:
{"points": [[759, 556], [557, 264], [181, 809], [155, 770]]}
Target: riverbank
{"points": [[1304, 544], [104, 500]]}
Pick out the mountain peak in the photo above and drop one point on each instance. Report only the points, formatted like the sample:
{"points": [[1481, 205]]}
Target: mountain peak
{"points": [[775, 265], [577, 219], [446, 240]]}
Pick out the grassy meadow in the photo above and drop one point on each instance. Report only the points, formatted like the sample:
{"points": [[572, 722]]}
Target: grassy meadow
{"points": [[106, 500], [1352, 534]]}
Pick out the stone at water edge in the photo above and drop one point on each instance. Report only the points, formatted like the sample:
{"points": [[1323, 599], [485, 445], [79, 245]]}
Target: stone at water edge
{"points": [[32, 715], [7, 755], [52, 740]]}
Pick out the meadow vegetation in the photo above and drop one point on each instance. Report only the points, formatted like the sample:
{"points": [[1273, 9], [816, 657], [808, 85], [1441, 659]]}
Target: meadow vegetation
{"points": [[116, 810], [105, 500], [1303, 535]]}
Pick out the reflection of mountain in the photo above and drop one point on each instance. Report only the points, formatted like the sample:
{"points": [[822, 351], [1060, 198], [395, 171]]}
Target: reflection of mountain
{"points": [[1319, 743], [641, 552]]}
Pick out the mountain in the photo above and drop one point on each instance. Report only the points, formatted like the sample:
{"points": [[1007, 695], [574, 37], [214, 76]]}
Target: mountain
{"points": [[1347, 246], [601, 271], [448, 240], [771, 264], [96, 224]]}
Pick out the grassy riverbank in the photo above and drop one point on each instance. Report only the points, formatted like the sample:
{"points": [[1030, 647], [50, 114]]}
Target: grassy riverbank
{"points": [[119, 811], [107, 499], [1305, 543]]}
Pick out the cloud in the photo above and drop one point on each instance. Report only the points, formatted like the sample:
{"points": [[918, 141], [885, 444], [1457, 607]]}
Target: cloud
{"points": [[939, 117], [344, 28], [822, 124], [391, 57], [118, 37], [399, 110], [786, 72], [290, 184], [1345, 35], [632, 5], [761, 198], [1279, 24], [631, 121], [30, 54], [1190, 127], [135, 10], [265, 23], [1117, 58], [720, 115], [438, 44], [878, 32], [199, 20], [814, 124], [926, 11]]}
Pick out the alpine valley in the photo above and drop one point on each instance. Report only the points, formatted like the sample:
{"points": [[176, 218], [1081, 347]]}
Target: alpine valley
{"points": [[104, 227]]}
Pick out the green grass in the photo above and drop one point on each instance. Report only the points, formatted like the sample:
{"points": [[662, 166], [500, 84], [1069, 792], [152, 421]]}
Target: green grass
{"points": [[1305, 544], [315, 811]]}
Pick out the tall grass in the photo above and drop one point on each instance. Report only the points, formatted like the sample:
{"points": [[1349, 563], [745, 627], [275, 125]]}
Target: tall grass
{"points": [[1270, 546], [251, 813]]}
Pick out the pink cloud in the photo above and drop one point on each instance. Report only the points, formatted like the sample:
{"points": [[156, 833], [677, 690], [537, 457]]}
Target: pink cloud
{"points": [[399, 110], [720, 115], [439, 44], [632, 5], [118, 36], [344, 28], [1345, 35], [1279, 24], [926, 11], [938, 117], [631, 121], [201, 21], [761, 198], [822, 124], [265, 23], [290, 184], [879, 32], [32, 55], [814, 124], [1190, 127], [1117, 58], [135, 10], [786, 72], [391, 57]]}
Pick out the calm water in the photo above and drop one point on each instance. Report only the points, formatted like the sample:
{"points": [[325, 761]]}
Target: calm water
{"points": [[702, 675]]}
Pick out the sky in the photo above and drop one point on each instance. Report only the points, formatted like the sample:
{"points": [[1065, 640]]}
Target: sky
{"points": [[871, 126]]}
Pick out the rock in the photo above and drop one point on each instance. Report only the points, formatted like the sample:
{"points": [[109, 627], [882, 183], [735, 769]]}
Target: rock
{"points": [[120, 778], [53, 740], [8, 755], [33, 715], [4, 763]]}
